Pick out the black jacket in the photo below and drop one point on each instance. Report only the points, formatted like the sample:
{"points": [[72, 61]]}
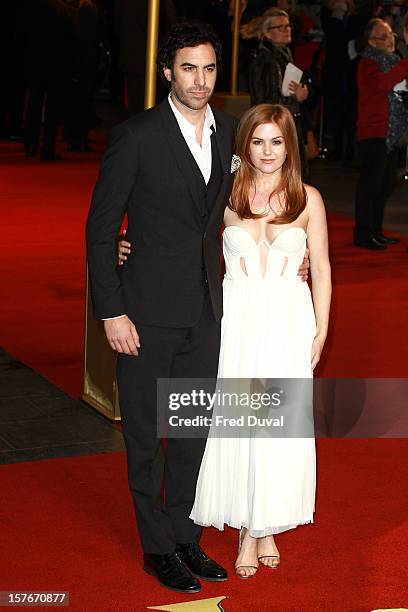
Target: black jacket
{"points": [[266, 76], [149, 173]]}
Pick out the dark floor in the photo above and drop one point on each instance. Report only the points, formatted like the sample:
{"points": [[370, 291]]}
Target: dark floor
{"points": [[39, 421]]}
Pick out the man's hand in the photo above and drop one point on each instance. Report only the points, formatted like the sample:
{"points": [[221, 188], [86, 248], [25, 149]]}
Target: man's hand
{"points": [[122, 335], [303, 271], [299, 91]]}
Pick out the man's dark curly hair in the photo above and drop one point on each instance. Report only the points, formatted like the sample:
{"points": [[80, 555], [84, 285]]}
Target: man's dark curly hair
{"points": [[187, 34]]}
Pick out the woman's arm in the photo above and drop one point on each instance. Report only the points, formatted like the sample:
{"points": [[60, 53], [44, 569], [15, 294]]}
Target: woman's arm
{"points": [[124, 249], [319, 268]]}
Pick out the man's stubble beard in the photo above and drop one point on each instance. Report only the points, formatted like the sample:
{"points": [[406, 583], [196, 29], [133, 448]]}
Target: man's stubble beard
{"points": [[188, 102]]}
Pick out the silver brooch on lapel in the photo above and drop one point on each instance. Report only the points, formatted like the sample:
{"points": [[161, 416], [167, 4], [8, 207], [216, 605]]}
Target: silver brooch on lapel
{"points": [[235, 163]]}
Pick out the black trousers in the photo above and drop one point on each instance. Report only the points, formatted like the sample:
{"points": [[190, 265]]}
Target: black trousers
{"points": [[340, 122], [79, 111], [12, 101], [162, 480], [378, 168], [38, 92]]}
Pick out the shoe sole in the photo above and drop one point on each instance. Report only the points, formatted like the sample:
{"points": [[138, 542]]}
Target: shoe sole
{"points": [[210, 579], [166, 586]]}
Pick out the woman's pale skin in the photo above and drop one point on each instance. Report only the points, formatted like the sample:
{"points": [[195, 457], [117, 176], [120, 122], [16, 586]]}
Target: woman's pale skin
{"points": [[268, 154]]}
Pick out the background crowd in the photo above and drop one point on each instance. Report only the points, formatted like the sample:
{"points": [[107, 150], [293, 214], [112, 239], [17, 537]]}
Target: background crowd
{"points": [[64, 56]]}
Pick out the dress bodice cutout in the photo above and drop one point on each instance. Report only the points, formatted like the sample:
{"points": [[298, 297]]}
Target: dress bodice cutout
{"points": [[279, 259]]}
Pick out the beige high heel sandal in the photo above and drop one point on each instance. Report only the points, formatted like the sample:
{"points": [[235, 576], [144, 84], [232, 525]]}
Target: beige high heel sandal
{"points": [[270, 557], [237, 567]]}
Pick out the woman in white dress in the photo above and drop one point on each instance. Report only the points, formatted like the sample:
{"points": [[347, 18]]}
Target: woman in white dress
{"points": [[271, 329]]}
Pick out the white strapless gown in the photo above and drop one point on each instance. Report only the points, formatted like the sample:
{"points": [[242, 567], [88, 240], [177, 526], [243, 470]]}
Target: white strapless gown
{"points": [[264, 484]]}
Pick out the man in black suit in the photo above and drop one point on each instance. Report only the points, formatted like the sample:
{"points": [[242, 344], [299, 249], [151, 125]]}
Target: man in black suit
{"points": [[169, 169]]}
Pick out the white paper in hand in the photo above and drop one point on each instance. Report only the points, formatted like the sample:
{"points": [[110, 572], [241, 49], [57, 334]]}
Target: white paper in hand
{"points": [[292, 73], [401, 86]]}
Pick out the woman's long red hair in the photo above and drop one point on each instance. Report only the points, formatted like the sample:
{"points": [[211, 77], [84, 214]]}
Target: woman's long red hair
{"points": [[290, 190]]}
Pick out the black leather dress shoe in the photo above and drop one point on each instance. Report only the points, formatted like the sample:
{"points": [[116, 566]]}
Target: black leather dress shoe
{"points": [[386, 239], [171, 573], [199, 564], [370, 243]]}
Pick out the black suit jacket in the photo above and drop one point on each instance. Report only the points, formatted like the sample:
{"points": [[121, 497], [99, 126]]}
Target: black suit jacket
{"points": [[149, 173]]}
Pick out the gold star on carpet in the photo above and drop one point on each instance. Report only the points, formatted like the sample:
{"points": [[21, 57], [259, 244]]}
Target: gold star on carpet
{"points": [[199, 605]]}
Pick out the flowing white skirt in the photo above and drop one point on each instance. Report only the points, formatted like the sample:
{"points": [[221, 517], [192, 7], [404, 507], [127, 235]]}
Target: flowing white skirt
{"points": [[264, 484]]}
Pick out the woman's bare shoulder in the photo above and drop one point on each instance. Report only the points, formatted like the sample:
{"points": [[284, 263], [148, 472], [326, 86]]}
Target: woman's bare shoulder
{"points": [[314, 197], [312, 193], [229, 216]]}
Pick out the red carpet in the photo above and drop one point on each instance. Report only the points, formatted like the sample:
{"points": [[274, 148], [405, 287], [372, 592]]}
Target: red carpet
{"points": [[44, 208], [369, 331], [68, 524]]}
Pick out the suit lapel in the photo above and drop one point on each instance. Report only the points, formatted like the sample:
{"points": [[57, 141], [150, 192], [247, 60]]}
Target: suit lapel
{"points": [[222, 144], [181, 153], [223, 141]]}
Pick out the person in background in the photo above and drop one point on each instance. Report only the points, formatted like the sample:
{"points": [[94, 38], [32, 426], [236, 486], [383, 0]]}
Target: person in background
{"points": [[382, 119], [13, 82], [295, 21], [85, 63], [267, 71], [341, 25], [130, 26], [49, 50], [400, 10]]}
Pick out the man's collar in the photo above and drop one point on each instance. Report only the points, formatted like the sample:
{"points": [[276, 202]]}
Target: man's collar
{"points": [[209, 120]]}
